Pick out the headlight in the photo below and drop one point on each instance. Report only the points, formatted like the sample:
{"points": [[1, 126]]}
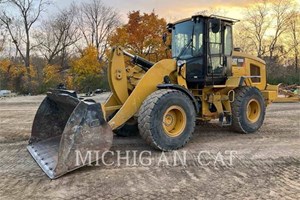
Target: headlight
{"points": [[180, 63]]}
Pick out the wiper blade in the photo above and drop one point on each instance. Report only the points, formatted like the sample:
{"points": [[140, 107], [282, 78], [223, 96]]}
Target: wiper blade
{"points": [[185, 48]]}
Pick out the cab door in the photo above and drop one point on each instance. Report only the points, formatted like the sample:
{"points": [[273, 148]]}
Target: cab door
{"points": [[219, 53], [195, 65]]}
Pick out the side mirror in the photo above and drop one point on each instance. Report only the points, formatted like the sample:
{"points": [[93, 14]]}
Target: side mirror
{"points": [[215, 25], [164, 37]]}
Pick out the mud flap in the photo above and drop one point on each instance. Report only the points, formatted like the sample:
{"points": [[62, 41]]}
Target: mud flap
{"points": [[66, 130]]}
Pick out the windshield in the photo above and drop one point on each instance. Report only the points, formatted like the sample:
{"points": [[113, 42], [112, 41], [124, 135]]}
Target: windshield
{"points": [[182, 34]]}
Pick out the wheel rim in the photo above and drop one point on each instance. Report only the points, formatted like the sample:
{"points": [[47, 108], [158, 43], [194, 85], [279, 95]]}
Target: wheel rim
{"points": [[174, 121], [253, 110]]}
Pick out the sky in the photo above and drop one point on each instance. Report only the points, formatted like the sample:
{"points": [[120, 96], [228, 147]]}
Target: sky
{"points": [[172, 10]]}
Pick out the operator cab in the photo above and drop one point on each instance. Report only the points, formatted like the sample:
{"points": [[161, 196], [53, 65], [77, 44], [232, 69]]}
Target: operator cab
{"points": [[205, 44]]}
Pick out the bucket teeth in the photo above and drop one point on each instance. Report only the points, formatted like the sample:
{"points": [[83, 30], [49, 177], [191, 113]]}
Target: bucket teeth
{"points": [[65, 127]]}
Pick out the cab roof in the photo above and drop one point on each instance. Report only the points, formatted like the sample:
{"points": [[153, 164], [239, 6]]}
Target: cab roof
{"points": [[227, 19]]}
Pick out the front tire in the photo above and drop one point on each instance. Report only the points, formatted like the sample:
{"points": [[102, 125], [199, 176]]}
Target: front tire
{"points": [[248, 110], [167, 119]]}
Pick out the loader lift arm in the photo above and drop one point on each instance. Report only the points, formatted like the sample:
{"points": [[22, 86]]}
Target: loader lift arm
{"points": [[129, 104]]}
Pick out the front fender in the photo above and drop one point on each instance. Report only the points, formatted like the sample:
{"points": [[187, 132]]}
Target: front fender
{"points": [[146, 86]]}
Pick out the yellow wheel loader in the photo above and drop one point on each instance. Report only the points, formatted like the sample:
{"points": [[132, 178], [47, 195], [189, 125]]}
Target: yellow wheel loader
{"points": [[205, 79]]}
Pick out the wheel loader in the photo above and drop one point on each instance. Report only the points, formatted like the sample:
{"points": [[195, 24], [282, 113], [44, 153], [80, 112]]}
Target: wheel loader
{"points": [[205, 79]]}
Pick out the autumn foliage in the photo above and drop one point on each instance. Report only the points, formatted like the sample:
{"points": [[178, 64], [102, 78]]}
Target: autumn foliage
{"points": [[86, 73], [17, 77], [51, 76], [142, 35]]}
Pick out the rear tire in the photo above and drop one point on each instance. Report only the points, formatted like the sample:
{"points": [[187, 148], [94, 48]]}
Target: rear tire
{"points": [[248, 110], [167, 119]]}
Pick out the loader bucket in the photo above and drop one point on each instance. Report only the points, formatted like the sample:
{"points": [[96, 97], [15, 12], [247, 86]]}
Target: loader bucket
{"points": [[66, 130]]}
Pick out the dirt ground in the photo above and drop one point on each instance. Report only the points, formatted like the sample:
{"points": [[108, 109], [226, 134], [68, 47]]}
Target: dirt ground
{"points": [[266, 164]]}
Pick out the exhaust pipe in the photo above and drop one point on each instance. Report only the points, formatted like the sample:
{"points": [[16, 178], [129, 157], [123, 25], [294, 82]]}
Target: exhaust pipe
{"points": [[63, 126]]}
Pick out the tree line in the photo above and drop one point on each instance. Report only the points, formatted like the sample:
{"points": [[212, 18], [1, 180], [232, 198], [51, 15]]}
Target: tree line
{"points": [[39, 50], [271, 31]]}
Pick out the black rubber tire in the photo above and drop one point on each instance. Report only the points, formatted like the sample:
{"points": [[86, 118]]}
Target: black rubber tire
{"points": [[128, 129], [151, 117], [240, 122]]}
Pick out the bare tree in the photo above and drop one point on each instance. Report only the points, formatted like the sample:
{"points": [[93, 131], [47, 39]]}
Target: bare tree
{"points": [[57, 34], [256, 25], [96, 22], [294, 32], [24, 14], [3, 38], [243, 39], [282, 14]]}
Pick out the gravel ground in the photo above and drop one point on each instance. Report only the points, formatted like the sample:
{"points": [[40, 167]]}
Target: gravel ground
{"points": [[265, 165]]}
